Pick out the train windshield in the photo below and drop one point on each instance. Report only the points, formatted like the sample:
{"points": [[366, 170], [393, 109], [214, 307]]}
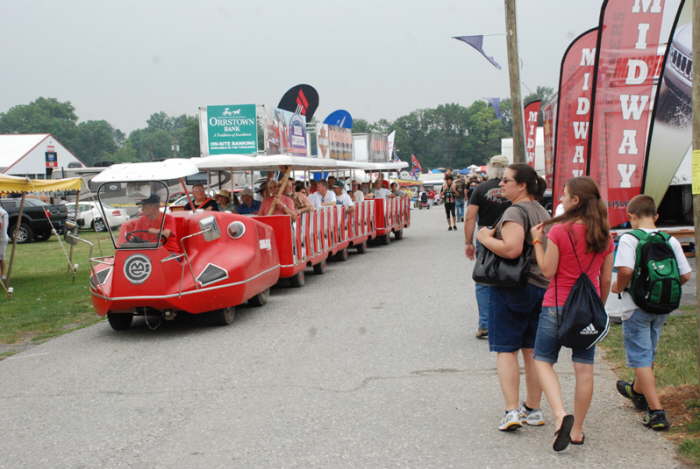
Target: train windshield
{"points": [[141, 206]]}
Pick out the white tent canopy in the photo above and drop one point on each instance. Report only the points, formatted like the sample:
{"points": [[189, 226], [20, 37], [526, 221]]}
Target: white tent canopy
{"points": [[174, 168]]}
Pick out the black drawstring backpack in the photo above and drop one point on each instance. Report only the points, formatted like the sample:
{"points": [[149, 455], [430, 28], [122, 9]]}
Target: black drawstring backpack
{"points": [[584, 321]]}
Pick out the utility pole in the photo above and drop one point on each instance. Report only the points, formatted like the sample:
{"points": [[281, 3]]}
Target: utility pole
{"points": [[696, 148], [514, 71]]}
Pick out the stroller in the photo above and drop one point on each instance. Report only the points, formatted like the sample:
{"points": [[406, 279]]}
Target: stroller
{"points": [[423, 201]]}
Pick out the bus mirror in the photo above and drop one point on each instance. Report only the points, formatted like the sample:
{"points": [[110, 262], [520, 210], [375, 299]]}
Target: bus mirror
{"points": [[209, 228]]}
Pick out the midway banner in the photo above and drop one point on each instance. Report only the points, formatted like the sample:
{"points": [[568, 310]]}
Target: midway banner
{"points": [[573, 111], [532, 111], [629, 57]]}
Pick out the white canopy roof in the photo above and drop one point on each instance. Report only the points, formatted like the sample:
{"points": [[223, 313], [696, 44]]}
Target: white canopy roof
{"points": [[151, 171], [266, 162], [273, 162]]}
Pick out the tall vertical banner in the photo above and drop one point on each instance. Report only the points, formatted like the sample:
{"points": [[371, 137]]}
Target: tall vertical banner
{"points": [[631, 47], [532, 110], [573, 111], [548, 118], [670, 135]]}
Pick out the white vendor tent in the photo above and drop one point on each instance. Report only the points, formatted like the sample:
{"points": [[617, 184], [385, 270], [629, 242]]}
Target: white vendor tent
{"points": [[25, 155]]}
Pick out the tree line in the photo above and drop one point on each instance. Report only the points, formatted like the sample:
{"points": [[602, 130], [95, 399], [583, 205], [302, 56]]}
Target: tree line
{"points": [[449, 135]]}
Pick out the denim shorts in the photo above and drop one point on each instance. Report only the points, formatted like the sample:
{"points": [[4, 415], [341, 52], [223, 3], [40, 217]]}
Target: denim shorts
{"points": [[641, 335], [513, 317], [547, 345]]}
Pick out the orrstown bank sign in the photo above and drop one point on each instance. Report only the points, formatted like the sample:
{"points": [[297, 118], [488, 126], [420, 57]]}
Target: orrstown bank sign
{"points": [[231, 129]]}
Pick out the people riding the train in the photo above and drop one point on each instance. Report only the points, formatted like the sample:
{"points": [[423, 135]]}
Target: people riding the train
{"points": [[224, 201], [201, 199], [248, 205], [302, 204], [322, 197], [342, 197], [275, 203], [146, 228]]}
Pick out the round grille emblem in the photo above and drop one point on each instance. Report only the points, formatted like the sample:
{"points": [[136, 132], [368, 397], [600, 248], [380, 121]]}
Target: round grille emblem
{"points": [[137, 268]]}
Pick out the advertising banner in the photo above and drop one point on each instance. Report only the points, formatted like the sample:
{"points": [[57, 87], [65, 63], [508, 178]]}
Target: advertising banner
{"points": [[286, 133], [532, 111], [631, 46], [378, 148], [334, 142], [231, 129], [300, 99], [548, 116], [573, 118], [670, 135]]}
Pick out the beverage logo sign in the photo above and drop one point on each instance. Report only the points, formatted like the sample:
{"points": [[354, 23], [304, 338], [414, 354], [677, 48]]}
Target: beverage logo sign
{"points": [[232, 129], [51, 159], [297, 135], [137, 268]]}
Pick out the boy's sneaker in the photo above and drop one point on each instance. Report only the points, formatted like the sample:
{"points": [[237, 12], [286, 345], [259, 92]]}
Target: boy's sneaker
{"points": [[626, 390], [533, 417], [510, 421], [482, 333], [656, 420]]}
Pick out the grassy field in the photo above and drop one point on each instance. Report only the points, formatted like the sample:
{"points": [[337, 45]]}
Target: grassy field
{"points": [[47, 299], [676, 371]]}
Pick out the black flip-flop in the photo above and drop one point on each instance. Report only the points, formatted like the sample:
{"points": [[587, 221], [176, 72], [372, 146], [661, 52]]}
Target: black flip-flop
{"points": [[563, 435], [580, 442]]}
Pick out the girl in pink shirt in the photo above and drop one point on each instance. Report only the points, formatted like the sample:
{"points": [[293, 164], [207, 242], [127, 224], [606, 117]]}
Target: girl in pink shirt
{"points": [[579, 239]]}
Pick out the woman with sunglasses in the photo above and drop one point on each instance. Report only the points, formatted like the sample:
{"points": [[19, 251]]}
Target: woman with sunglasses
{"points": [[515, 311]]}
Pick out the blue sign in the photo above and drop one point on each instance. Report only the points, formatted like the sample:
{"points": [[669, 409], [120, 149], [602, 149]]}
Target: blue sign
{"points": [[339, 118]]}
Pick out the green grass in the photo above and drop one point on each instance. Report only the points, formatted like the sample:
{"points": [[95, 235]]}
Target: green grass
{"points": [[676, 358], [47, 300], [676, 366]]}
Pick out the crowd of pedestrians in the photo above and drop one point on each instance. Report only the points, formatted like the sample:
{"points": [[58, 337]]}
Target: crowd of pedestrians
{"points": [[504, 217]]}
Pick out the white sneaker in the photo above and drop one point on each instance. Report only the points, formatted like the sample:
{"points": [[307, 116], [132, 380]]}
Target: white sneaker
{"points": [[511, 421], [532, 417]]}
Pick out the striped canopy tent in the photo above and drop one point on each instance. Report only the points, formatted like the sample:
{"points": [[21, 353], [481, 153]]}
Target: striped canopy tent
{"points": [[21, 185], [15, 184]]}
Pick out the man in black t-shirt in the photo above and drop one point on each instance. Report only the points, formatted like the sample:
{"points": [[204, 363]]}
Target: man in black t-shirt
{"points": [[486, 206]]}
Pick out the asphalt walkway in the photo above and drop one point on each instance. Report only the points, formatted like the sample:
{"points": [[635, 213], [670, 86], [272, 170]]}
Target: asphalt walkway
{"points": [[373, 364]]}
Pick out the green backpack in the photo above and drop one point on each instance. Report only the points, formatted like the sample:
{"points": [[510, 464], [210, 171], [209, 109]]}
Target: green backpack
{"points": [[656, 281]]}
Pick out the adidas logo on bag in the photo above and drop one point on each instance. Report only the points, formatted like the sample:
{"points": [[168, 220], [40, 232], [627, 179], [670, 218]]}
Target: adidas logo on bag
{"points": [[589, 330]]}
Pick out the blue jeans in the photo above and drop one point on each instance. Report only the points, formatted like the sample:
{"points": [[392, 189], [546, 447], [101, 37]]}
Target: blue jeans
{"points": [[459, 204], [483, 299], [514, 316], [547, 344], [641, 334]]}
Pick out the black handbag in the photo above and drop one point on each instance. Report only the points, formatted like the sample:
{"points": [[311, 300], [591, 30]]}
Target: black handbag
{"points": [[491, 269], [584, 321]]}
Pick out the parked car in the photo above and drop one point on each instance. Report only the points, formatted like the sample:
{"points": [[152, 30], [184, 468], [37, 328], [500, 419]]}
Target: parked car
{"points": [[90, 216], [34, 225]]}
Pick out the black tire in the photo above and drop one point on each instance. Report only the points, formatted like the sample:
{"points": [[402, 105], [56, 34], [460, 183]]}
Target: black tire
{"points": [[120, 321], [320, 268], [362, 248], [385, 239], [98, 225], [398, 234], [24, 235], [260, 299], [298, 280], [342, 256], [223, 317]]}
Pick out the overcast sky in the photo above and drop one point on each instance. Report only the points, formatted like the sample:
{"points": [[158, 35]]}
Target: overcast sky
{"points": [[124, 60]]}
